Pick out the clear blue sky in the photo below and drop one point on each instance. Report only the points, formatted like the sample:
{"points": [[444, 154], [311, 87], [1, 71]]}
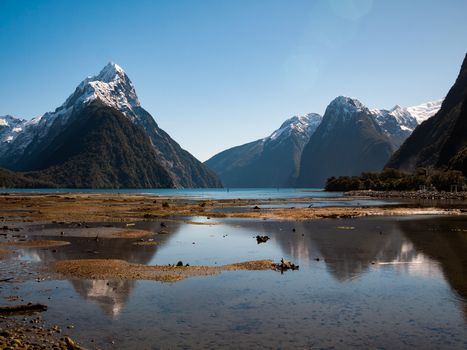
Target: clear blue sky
{"points": [[215, 74]]}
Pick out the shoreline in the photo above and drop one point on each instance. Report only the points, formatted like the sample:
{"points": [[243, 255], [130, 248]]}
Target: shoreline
{"points": [[129, 208], [421, 195]]}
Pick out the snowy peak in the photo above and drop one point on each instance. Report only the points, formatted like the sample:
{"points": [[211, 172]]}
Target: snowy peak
{"points": [[425, 110], [407, 118], [302, 126], [111, 72], [10, 127], [111, 86], [346, 104]]}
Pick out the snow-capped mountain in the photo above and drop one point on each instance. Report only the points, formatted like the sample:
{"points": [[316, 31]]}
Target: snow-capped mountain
{"points": [[399, 122], [268, 162], [10, 127], [301, 126], [348, 141], [111, 88], [352, 138], [425, 110]]}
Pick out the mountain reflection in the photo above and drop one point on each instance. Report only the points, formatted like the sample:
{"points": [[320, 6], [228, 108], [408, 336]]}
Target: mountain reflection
{"points": [[445, 241], [110, 295], [350, 247], [434, 248]]}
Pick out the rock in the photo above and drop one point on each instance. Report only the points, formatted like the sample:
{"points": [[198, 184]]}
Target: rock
{"points": [[262, 239], [285, 265], [256, 207], [23, 308], [180, 263]]}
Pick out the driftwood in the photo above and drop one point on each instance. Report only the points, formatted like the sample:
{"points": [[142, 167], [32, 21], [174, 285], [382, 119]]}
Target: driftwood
{"points": [[29, 307]]}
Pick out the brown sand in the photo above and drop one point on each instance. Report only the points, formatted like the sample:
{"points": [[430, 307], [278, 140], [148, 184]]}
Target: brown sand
{"points": [[132, 234], [102, 269]]}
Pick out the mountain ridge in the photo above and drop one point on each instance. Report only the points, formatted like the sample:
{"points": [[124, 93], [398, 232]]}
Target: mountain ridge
{"points": [[268, 162]]}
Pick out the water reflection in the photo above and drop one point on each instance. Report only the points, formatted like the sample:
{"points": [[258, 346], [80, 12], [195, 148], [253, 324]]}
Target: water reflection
{"points": [[347, 250], [445, 241], [110, 295]]}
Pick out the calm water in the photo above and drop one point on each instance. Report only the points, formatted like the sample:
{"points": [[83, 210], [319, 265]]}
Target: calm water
{"points": [[386, 283], [201, 193]]}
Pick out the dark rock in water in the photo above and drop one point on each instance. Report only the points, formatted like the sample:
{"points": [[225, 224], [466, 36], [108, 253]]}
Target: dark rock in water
{"points": [[256, 207], [285, 265], [29, 307], [163, 224], [262, 239], [293, 230]]}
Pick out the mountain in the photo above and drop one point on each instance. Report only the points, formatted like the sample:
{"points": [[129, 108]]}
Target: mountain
{"points": [[440, 141], [399, 122], [347, 142], [10, 127], [269, 162], [107, 100]]}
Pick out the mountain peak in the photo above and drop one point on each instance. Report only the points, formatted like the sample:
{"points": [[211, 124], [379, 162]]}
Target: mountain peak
{"points": [[347, 105], [111, 86], [110, 72], [347, 100]]}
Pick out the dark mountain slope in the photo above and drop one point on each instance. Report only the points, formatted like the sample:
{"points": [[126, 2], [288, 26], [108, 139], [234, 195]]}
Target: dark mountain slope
{"points": [[269, 162], [347, 142], [100, 148], [441, 140]]}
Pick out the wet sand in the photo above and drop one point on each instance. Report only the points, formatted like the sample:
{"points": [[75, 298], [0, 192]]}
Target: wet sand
{"points": [[85, 208], [105, 269]]}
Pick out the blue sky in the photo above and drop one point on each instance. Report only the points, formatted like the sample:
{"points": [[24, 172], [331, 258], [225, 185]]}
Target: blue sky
{"points": [[218, 73]]}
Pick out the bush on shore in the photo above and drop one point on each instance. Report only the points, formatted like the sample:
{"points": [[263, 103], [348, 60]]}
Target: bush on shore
{"points": [[396, 180]]}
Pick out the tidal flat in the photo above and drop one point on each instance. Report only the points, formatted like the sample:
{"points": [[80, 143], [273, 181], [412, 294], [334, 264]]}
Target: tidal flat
{"points": [[387, 275]]}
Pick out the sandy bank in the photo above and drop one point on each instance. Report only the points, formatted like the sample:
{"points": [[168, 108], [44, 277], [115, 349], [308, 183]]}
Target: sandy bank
{"points": [[102, 269]]}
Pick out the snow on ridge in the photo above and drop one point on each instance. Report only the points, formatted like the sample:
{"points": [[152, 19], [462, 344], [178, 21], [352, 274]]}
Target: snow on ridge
{"points": [[300, 124], [426, 110], [3, 122]]}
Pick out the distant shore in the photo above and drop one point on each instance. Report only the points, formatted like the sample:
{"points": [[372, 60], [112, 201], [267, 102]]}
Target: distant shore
{"points": [[430, 195]]}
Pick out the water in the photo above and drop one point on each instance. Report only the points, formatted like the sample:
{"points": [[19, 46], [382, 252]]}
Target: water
{"points": [[389, 283], [200, 193]]}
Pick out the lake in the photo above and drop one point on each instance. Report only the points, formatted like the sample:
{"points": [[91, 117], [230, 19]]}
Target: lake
{"points": [[199, 193]]}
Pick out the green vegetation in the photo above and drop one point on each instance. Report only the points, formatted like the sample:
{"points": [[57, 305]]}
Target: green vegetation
{"points": [[396, 180]]}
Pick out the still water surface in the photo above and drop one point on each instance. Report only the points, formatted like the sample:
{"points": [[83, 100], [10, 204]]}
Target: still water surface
{"points": [[200, 193], [388, 283]]}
